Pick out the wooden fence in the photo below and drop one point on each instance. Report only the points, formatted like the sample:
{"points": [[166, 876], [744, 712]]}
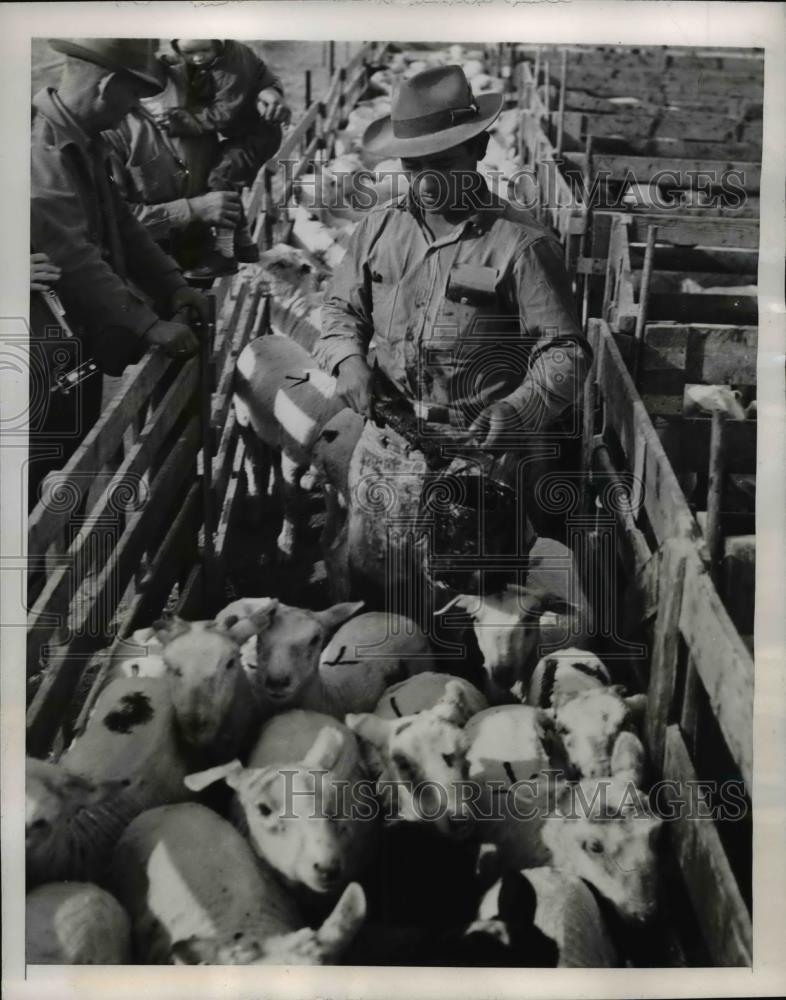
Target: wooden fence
{"points": [[141, 516]]}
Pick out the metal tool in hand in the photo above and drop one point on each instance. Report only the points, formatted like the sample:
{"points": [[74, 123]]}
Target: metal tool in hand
{"points": [[66, 382]]}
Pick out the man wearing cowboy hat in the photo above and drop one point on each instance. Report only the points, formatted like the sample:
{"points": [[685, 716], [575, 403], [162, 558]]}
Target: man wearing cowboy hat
{"points": [[470, 310], [120, 291]]}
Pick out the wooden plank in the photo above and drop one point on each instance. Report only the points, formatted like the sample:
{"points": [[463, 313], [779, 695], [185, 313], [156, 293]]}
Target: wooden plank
{"points": [[685, 308], [675, 171], [678, 125], [665, 648], [697, 355], [63, 673], [56, 589], [686, 441], [722, 662], [738, 581], [676, 147], [97, 449], [625, 414], [704, 232], [719, 260], [231, 500], [718, 904]]}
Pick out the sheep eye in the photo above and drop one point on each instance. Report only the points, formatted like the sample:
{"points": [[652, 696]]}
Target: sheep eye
{"points": [[594, 846], [39, 824], [231, 663], [449, 758], [264, 809], [401, 763], [313, 640], [176, 671]]}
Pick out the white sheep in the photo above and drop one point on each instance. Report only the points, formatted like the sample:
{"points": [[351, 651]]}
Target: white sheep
{"points": [[137, 656], [196, 894], [565, 911], [282, 401], [422, 692], [601, 830], [71, 823], [513, 625], [75, 923], [131, 736], [301, 824], [215, 706], [561, 675], [297, 668], [419, 760], [511, 743], [704, 399], [598, 729]]}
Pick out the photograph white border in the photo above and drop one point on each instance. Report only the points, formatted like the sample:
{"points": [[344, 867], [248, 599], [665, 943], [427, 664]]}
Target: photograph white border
{"points": [[580, 21]]}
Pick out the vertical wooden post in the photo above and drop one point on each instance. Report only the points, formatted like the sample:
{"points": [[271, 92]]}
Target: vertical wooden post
{"points": [[715, 495], [331, 58], [268, 217], [563, 76], [546, 89], [205, 410], [644, 295], [537, 77]]}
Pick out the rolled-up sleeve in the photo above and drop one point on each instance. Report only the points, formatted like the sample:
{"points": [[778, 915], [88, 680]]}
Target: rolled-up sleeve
{"points": [[347, 320], [560, 356]]}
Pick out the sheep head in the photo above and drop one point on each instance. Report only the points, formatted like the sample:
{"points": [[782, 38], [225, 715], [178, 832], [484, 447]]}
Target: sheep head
{"points": [[507, 626], [603, 831], [298, 820], [421, 760], [591, 724]]}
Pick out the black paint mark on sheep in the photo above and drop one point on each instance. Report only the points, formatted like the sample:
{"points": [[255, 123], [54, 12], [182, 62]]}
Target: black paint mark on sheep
{"points": [[299, 379], [340, 659], [549, 679], [395, 707], [509, 771], [590, 669], [135, 710]]}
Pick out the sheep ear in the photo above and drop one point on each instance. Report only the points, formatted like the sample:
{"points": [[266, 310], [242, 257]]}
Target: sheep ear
{"points": [[168, 629], [370, 728], [201, 779], [637, 703], [325, 750], [627, 759], [452, 706], [463, 601], [558, 603], [331, 618], [342, 925]]}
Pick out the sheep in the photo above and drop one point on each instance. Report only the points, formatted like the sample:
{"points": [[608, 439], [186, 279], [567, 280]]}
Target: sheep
{"points": [[304, 829], [561, 675], [510, 743], [137, 656], [704, 399], [598, 729], [296, 669], [196, 894], [214, 704], [559, 906], [422, 692], [131, 736], [513, 624], [419, 759], [282, 401], [71, 823], [75, 923], [601, 830]]}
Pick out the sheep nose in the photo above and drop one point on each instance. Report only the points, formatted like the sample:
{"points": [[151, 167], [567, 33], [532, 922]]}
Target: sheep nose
{"points": [[276, 683], [328, 871], [503, 676]]}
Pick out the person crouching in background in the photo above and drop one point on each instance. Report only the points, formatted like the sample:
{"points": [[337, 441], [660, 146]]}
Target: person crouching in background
{"points": [[231, 92]]}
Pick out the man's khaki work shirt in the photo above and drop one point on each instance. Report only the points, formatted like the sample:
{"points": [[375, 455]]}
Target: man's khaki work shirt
{"points": [[519, 340]]}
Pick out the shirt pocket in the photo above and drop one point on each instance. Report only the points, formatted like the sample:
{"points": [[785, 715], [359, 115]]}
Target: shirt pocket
{"points": [[158, 179]]}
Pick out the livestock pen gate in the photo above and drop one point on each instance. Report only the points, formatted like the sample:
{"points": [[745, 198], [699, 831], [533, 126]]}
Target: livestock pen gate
{"points": [[156, 529]]}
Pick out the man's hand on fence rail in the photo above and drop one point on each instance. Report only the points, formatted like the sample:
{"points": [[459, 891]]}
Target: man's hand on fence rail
{"points": [[175, 338], [193, 306], [218, 208]]}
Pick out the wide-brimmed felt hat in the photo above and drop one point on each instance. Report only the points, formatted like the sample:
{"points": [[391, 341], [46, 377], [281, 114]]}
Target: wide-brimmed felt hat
{"points": [[432, 111], [122, 55]]}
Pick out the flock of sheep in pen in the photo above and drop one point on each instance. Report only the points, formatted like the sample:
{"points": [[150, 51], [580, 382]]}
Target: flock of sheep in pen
{"points": [[287, 786]]}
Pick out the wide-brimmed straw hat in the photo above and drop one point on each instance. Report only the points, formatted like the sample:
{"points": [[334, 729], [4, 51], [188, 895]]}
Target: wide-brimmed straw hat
{"points": [[432, 111], [122, 55]]}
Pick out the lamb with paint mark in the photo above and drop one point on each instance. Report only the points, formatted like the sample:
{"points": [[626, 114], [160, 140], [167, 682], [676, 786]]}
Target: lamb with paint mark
{"points": [[190, 903], [562, 675], [302, 824], [419, 759]]}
